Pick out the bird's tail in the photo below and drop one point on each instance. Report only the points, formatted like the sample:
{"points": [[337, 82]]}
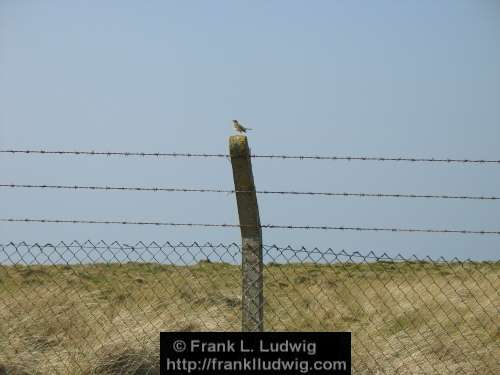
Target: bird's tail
{"points": [[248, 128]]}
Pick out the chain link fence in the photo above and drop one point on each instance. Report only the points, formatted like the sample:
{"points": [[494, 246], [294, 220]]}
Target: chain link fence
{"points": [[98, 308]]}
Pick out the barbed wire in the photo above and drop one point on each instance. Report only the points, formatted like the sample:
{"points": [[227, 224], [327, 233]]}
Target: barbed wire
{"points": [[117, 153], [123, 188], [227, 191], [377, 158], [265, 226], [263, 156]]}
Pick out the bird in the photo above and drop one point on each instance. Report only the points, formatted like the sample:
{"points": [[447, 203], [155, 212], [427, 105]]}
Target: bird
{"points": [[240, 128]]}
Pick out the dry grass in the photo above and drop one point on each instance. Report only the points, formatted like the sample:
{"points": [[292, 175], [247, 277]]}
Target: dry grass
{"points": [[406, 318]]}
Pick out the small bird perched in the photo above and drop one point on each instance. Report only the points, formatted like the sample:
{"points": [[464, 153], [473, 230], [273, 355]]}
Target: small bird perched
{"points": [[240, 128]]}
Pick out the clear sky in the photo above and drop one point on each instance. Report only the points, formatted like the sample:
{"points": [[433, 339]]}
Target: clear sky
{"points": [[381, 78]]}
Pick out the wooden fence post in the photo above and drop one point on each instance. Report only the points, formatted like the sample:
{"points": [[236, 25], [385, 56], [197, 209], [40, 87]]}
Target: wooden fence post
{"points": [[251, 235]]}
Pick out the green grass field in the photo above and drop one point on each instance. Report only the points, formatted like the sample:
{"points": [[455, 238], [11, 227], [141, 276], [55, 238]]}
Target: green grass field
{"points": [[405, 318]]}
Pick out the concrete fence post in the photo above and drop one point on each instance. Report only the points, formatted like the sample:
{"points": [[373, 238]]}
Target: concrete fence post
{"points": [[251, 235]]}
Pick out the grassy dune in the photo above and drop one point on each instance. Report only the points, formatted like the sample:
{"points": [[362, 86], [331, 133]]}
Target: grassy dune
{"points": [[406, 318]]}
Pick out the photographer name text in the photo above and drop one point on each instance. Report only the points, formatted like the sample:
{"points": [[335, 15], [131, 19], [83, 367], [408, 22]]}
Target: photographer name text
{"points": [[229, 346]]}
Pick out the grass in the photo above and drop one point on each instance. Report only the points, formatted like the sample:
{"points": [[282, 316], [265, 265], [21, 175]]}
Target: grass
{"points": [[104, 319]]}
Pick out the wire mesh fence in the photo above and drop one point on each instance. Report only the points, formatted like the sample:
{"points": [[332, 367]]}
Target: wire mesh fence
{"points": [[98, 308]]}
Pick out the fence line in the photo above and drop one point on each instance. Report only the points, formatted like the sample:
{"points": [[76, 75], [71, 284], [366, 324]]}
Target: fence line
{"points": [[90, 306], [264, 226], [227, 191], [262, 156], [436, 316]]}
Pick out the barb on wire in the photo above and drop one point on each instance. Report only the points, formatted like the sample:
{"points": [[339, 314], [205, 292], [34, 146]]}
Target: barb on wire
{"points": [[205, 190], [266, 226], [262, 156]]}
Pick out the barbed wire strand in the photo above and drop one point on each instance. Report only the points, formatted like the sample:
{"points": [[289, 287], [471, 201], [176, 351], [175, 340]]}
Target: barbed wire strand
{"points": [[266, 226], [263, 156], [117, 153], [227, 191]]}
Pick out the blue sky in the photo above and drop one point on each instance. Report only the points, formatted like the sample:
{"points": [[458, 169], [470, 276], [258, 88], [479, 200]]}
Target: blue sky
{"points": [[385, 78]]}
